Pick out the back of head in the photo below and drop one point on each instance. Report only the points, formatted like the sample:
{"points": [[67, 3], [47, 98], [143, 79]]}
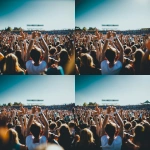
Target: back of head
{"points": [[64, 56], [128, 125], [86, 60], [127, 50], [110, 54], [11, 63], [52, 50], [86, 137], [64, 130], [52, 125], [35, 54], [139, 132], [138, 55], [110, 130], [35, 130]]}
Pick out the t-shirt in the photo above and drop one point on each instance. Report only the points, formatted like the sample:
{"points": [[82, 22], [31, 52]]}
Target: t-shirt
{"points": [[31, 145], [35, 69], [106, 70], [116, 144]]}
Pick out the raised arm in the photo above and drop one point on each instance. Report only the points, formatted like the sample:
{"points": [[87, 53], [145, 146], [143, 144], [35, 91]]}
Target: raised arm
{"points": [[106, 45], [105, 120], [119, 46], [119, 120], [31, 45], [45, 46], [45, 121], [31, 120]]}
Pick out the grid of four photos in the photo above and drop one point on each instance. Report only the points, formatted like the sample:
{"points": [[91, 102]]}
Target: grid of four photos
{"points": [[74, 75]]}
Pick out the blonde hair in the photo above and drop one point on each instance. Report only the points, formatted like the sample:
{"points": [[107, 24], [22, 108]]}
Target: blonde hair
{"points": [[87, 60], [86, 136], [11, 64], [12, 136]]}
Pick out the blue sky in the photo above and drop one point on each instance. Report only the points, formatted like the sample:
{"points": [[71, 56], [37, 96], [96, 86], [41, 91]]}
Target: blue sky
{"points": [[52, 89], [128, 14], [54, 14], [127, 89]]}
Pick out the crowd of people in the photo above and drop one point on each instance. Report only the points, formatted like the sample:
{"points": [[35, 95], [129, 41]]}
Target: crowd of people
{"points": [[75, 129], [36, 53], [112, 53]]}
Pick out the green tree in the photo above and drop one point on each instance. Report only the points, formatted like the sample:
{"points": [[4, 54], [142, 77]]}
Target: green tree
{"points": [[84, 29], [17, 29], [8, 29], [85, 104], [9, 104]]}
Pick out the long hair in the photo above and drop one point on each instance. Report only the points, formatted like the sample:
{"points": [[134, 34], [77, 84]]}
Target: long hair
{"points": [[64, 138], [87, 60], [11, 65], [64, 59], [86, 137], [12, 138]]}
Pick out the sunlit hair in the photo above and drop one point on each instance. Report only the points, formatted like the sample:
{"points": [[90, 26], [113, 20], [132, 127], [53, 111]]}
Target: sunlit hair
{"points": [[64, 130], [138, 55], [86, 60], [12, 136], [11, 64], [86, 137]]}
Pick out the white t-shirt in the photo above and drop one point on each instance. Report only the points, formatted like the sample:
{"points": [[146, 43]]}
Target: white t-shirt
{"points": [[35, 69], [110, 71], [116, 144], [31, 145]]}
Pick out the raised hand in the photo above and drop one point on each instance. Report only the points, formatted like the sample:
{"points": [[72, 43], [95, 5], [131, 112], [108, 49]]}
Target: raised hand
{"points": [[33, 35], [108, 35], [39, 109], [114, 34], [39, 34], [108, 110], [33, 110], [113, 109]]}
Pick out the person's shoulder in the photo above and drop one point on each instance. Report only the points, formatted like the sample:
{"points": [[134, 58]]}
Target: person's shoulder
{"points": [[23, 147], [43, 63], [118, 62], [29, 137], [118, 137], [104, 62], [29, 62], [43, 138]]}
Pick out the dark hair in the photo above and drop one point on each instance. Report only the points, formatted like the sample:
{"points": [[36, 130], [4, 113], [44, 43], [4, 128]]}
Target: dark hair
{"points": [[52, 125], [110, 130], [35, 130], [110, 55], [128, 125], [127, 50], [35, 55], [18, 54], [52, 50]]}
